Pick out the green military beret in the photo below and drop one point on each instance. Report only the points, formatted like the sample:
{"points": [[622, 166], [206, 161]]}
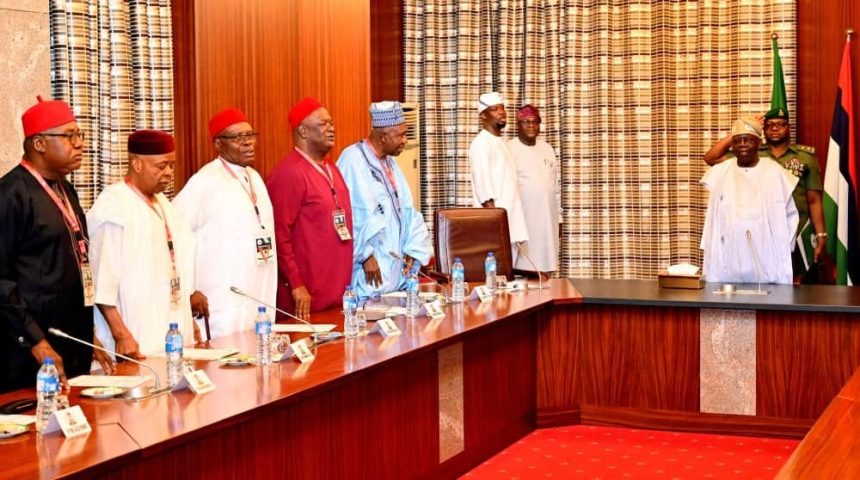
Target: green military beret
{"points": [[776, 113]]}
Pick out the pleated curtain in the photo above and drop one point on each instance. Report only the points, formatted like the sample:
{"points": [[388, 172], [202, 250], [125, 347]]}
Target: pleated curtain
{"points": [[112, 61]]}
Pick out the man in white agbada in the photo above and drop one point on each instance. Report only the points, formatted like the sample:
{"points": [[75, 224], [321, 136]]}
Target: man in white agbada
{"points": [[142, 254], [540, 190], [228, 208], [493, 168], [751, 217], [384, 218]]}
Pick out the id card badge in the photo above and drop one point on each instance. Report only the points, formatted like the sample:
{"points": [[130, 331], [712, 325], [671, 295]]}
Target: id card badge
{"points": [[264, 249], [174, 290], [339, 218], [87, 282]]}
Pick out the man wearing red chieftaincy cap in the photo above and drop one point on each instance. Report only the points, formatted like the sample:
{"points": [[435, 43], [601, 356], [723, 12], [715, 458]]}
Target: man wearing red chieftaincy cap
{"points": [[45, 276], [143, 254], [228, 208], [313, 216]]}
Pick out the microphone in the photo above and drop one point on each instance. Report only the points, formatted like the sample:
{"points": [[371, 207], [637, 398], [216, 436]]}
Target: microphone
{"points": [[428, 277], [152, 391], [522, 252], [318, 337], [756, 262]]}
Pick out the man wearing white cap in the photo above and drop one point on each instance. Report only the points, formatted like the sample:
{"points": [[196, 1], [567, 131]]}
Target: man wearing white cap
{"points": [[384, 218], [493, 168], [751, 218]]}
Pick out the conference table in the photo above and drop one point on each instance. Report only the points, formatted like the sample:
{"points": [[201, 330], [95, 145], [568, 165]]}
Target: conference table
{"points": [[448, 393]]}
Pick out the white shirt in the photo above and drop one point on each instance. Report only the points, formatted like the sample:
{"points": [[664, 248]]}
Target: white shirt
{"points": [[494, 177], [132, 267], [750, 223], [219, 210], [540, 191]]}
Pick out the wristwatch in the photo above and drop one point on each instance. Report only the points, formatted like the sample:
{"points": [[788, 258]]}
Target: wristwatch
{"points": [[814, 239]]}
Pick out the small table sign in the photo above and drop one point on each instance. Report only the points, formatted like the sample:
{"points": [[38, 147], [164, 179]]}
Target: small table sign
{"points": [[71, 421], [385, 327]]}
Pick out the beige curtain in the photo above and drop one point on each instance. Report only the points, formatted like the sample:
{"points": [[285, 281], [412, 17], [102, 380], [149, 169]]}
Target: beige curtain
{"points": [[632, 93], [113, 62]]}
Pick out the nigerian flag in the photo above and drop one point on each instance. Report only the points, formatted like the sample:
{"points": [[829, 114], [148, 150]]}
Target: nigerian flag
{"points": [[840, 182]]}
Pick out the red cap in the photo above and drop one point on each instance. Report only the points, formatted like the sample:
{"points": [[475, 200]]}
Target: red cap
{"points": [[150, 142], [45, 115], [301, 110], [224, 119]]}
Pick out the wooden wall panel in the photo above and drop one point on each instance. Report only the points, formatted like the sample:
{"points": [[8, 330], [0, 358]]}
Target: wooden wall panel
{"points": [[558, 376], [262, 56], [802, 361], [631, 360], [821, 38], [386, 49]]}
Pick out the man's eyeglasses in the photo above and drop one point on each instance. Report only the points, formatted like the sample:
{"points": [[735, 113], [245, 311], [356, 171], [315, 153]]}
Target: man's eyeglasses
{"points": [[70, 136], [241, 137]]}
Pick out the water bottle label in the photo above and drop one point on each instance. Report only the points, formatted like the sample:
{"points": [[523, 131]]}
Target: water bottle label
{"points": [[264, 328], [458, 275], [49, 384]]}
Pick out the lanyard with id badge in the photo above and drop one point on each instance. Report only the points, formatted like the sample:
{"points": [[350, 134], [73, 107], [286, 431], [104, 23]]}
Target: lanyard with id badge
{"points": [[175, 286], [80, 243], [263, 240], [338, 215]]}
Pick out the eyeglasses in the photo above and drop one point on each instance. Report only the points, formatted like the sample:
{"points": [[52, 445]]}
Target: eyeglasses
{"points": [[241, 137], [70, 136]]}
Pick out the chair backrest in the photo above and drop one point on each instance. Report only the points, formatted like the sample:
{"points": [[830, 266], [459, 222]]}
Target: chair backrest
{"points": [[469, 233]]}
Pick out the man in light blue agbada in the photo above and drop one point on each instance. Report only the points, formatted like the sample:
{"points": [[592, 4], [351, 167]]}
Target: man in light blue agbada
{"points": [[384, 220]]}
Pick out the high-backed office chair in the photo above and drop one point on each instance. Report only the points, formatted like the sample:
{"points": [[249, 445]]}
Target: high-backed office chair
{"points": [[469, 233]]}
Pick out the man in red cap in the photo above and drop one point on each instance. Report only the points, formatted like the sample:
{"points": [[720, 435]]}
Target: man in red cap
{"points": [[228, 208], [143, 254], [45, 279], [313, 216]]}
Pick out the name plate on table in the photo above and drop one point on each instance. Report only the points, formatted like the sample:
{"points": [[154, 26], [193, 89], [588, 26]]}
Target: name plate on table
{"points": [[385, 327], [434, 309], [516, 285], [71, 421], [483, 293], [301, 350], [195, 380]]}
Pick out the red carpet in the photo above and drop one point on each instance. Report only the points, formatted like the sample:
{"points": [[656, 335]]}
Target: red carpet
{"points": [[583, 451]]}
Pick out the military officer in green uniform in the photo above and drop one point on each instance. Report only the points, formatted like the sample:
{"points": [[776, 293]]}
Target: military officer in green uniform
{"points": [[800, 161]]}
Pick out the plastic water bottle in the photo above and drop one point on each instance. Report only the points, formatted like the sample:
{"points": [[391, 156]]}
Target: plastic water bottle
{"points": [[263, 328], [458, 278], [173, 348], [350, 304], [490, 270], [47, 389], [413, 304]]}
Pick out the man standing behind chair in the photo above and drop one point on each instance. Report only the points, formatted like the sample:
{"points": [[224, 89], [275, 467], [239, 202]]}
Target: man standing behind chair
{"points": [[228, 208], [384, 216], [313, 216], [751, 217], [493, 168], [45, 277], [143, 254], [540, 189]]}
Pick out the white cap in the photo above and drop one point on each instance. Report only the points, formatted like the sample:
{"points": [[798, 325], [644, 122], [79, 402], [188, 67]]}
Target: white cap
{"points": [[489, 99]]}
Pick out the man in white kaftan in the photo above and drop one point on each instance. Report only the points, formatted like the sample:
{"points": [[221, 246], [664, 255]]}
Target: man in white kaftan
{"points": [[540, 190], [751, 219], [384, 218], [142, 254], [493, 168], [227, 206]]}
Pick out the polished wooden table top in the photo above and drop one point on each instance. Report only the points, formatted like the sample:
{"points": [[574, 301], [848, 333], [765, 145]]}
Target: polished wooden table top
{"points": [[121, 428], [814, 298]]}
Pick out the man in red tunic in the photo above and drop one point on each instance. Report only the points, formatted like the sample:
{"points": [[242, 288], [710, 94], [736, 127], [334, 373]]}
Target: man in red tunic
{"points": [[313, 216]]}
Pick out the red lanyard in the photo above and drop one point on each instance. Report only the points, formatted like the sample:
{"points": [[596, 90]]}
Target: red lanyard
{"points": [[249, 190], [69, 215], [161, 215], [325, 173]]}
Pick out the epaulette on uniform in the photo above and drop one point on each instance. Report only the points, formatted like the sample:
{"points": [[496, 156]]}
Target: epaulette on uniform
{"points": [[804, 148]]}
